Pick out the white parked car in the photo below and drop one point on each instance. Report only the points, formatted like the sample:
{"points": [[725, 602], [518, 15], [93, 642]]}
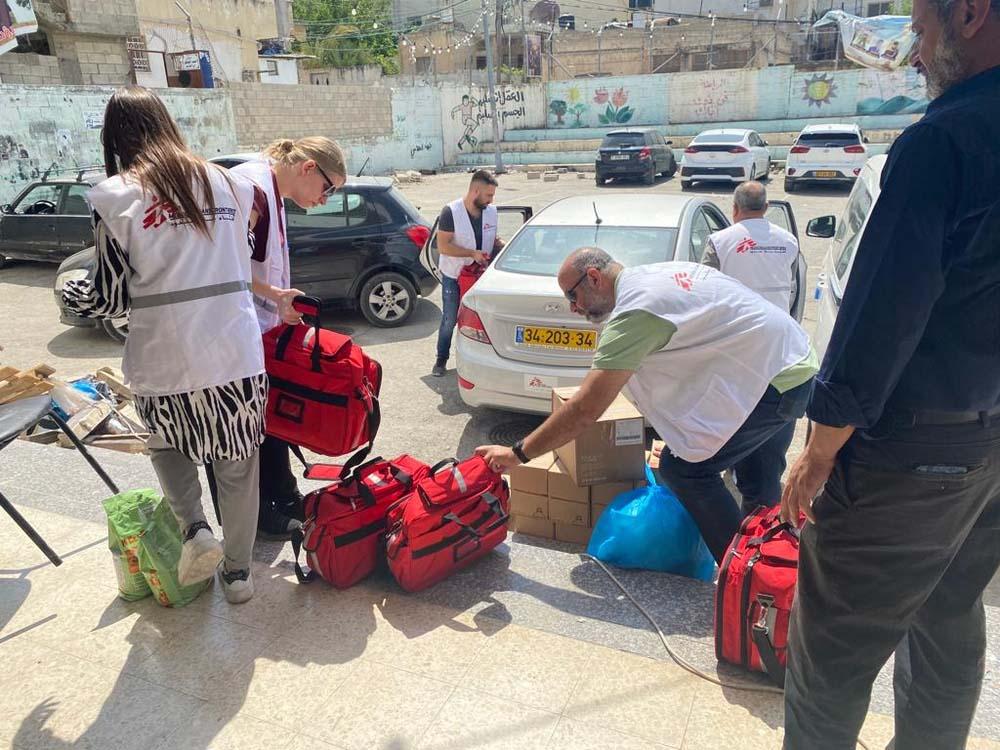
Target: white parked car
{"points": [[517, 337], [826, 153], [728, 155], [845, 236]]}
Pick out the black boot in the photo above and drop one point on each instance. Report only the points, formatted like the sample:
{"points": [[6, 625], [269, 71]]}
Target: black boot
{"points": [[440, 367]]}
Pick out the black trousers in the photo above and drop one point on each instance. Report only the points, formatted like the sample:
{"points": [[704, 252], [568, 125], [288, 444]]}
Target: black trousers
{"points": [[277, 482], [907, 537]]}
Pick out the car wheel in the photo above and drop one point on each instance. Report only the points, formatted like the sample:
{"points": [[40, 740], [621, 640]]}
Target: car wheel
{"points": [[650, 177], [673, 169], [387, 300], [753, 173], [3, 261], [767, 173], [685, 184], [789, 186], [599, 181], [116, 328]]}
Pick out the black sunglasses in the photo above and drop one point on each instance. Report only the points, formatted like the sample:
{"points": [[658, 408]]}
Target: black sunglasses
{"points": [[330, 190], [571, 294]]}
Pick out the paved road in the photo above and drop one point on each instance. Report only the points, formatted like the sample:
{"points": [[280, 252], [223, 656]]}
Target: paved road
{"points": [[422, 415]]}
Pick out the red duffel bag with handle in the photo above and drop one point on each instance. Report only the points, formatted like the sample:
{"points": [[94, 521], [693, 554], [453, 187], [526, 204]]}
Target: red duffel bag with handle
{"points": [[453, 517], [323, 387], [755, 592], [468, 276], [344, 532]]}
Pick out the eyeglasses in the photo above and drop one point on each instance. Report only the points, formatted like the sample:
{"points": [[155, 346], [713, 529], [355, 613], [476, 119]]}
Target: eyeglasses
{"points": [[330, 190], [571, 294]]}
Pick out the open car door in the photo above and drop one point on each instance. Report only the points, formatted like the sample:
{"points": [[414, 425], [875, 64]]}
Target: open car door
{"points": [[510, 219], [780, 213]]}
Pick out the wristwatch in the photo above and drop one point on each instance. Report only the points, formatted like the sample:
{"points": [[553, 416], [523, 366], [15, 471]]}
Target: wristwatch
{"points": [[518, 449]]}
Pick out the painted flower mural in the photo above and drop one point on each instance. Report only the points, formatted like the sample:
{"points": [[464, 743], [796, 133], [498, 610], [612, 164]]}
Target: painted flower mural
{"points": [[617, 111]]}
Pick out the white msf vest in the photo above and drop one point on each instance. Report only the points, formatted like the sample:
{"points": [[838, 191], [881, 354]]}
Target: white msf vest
{"points": [[729, 345], [761, 255], [464, 237], [274, 269], [191, 319]]}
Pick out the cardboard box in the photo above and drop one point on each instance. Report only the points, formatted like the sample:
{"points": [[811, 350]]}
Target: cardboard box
{"points": [[569, 514], [610, 450], [532, 527], [595, 512], [605, 493], [529, 505], [562, 486], [533, 477], [572, 534]]}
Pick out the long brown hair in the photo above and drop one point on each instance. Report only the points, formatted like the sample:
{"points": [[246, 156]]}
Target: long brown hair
{"points": [[142, 139]]}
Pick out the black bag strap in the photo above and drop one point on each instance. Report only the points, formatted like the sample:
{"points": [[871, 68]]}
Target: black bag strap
{"points": [[302, 459], [301, 575], [470, 530], [441, 464], [497, 507], [773, 532], [768, 657]]}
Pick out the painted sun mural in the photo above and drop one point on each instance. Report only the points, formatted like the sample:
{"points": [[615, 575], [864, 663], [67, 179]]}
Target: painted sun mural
{"points": [[819, 90]]}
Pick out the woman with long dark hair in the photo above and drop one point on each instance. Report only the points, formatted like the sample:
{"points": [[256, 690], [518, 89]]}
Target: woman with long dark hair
{"points": [[173, 252]]}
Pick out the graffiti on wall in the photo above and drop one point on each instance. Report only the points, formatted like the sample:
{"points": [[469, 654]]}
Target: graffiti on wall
{"points": [[472, 112], [711, 96], [818, 90]]}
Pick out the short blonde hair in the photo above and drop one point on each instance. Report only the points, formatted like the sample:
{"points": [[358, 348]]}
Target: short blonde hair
{"points": [[325, 152]]}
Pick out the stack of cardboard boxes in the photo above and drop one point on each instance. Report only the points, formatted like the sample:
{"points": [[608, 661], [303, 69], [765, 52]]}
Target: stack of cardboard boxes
{"points": [[561, 495]]}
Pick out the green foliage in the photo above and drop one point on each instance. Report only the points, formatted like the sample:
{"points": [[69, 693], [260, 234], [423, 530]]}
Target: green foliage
{"points": [[340, 39]]}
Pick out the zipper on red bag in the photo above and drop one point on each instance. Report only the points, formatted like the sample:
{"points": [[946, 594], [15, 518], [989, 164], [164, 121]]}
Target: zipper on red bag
{"points": [[745, 611]]}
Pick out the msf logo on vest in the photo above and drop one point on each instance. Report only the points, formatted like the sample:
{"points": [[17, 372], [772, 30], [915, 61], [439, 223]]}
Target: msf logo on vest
{"points": [[745, 246], [158, 213], [684, 281]]}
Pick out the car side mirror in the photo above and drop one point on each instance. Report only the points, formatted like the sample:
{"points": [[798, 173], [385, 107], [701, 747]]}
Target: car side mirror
{"points": [[6, 208], [866, 139], [823, 227], [670, 143], [766, 143]]}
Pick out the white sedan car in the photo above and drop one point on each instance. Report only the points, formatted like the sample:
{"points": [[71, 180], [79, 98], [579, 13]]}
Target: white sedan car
{"points": [[517, 338], [728, 155]]}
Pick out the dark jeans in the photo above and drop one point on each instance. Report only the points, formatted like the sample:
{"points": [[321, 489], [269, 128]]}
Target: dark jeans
{"points": [[907, 537], [449, 315], [277, 482], [756, 453]]}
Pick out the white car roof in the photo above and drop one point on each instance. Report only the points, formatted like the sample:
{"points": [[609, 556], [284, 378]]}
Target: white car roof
{"points": [[829, 128], [723, 131], [622, 209], [871, 174]]}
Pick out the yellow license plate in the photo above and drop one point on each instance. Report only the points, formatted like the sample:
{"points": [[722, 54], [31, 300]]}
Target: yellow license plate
{"points": [[826, 174], [556, 338]]}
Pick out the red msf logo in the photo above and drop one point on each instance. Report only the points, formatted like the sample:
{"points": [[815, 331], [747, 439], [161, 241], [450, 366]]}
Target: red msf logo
{"points": [[159, 212], [683, 280], [746, 244]]}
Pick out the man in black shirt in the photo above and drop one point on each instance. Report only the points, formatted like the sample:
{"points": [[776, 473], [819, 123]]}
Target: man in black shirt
{"points": [[467, 234], [905, 535]]}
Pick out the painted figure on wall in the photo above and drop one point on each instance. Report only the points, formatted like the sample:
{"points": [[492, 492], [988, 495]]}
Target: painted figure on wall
{"points": [[469, 120], [6, 16]]}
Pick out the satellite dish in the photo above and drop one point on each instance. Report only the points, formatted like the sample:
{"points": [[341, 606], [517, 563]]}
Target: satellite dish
{"points": [[546, 11]]}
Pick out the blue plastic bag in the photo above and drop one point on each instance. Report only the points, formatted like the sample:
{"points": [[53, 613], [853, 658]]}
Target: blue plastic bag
{"points": [[648, 528]]}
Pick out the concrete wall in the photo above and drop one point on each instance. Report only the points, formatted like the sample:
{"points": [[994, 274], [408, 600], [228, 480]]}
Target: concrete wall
{"points": [[60, 127], [287, 70], [345, 111], [27, 67], [90, 59], [769, 94]]}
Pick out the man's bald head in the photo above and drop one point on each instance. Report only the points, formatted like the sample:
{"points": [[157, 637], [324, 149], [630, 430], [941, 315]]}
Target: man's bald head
{"points": [[587, 278], [749, 201]]}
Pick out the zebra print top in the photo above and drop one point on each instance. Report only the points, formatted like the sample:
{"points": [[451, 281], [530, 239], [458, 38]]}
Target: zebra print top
{"points": [[221, 423]]}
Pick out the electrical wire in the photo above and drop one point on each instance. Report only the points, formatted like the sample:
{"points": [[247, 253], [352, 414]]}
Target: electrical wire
{"points": [[680, 661]]}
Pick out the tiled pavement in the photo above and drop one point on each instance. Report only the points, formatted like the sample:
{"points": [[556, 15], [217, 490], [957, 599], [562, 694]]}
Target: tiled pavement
{"points": [[533, 648]]}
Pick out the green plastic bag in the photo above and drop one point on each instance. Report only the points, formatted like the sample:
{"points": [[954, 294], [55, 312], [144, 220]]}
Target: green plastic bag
{"points": [[143, 521]]}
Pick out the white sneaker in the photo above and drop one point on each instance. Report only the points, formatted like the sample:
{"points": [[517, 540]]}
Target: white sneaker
{"points": [[237, 584], [200, 555]]}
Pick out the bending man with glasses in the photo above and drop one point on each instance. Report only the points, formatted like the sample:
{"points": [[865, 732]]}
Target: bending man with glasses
{"points": [[716, 369]]}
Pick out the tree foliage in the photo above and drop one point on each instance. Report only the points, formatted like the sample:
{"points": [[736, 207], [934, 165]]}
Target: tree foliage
{"points": [[339, 38]]}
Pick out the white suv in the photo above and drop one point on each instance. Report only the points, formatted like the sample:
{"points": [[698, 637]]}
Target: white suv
{"points": [[826, 153]]}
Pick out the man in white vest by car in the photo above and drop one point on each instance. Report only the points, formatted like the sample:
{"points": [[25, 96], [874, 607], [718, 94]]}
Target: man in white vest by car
{"points": [[467, 233], [718, 371], [755, 251]]}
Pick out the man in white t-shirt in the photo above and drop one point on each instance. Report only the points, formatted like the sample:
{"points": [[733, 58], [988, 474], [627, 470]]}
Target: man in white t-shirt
{"points": [[754, 251], [467, 233]]}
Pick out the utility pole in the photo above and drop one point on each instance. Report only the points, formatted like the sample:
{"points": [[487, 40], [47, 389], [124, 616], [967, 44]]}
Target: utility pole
{"points": [[194, 46], [711, 43], [490, 88]]}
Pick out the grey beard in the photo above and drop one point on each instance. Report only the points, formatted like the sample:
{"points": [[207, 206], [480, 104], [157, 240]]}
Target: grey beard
{"points": [[948, 68]]}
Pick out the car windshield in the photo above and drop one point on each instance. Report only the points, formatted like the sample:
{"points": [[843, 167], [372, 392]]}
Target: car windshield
{"points": [[623, 139], [831, 140], [718, 138], [540, 250]]}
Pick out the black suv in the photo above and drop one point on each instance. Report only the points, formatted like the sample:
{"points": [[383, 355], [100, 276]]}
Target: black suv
{"points": [[637, 152], [50, 219], [360, 250]]}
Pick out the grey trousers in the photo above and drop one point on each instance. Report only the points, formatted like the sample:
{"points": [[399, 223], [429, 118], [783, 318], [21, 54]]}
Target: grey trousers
{"points": [[907, 537], [238, 497]]}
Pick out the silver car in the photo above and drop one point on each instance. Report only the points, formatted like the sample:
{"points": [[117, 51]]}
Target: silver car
{"points": [[517, 337]]}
